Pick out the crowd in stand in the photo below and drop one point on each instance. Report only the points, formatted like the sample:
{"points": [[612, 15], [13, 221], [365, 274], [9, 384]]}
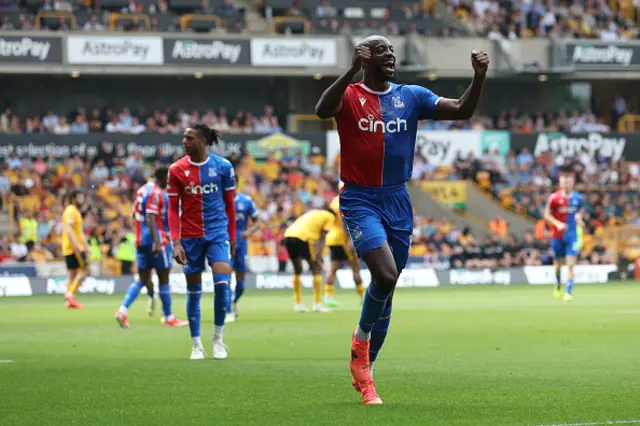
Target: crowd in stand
{"points": [[286, 184], [499, 20], [525, 122], [125, 121], [90, 16]]}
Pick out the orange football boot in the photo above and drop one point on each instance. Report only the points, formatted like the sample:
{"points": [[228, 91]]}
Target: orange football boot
{"points": [[122, 320], [175, 322], [72, 303], [369, 394]]}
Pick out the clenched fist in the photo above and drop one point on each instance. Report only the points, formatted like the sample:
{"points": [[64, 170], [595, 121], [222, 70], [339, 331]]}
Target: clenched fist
{"points": [[480, 62]]}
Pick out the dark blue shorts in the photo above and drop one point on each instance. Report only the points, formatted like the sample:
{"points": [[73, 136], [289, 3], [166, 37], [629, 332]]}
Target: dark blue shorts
{"points": [[199, 250], [240, 261], [375, 215], [564, 247], [147, 260]]}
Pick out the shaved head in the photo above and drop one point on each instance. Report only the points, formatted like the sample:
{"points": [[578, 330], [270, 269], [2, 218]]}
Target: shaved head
{"points": [[373, 39]]}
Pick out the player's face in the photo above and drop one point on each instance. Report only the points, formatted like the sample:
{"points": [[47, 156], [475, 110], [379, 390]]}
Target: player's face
{"points": [[566, 181], [79, 200], [383, 60], [191, 141]]}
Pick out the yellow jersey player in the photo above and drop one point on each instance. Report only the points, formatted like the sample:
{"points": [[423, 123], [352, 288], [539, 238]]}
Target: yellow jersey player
{"points": [[74, 248], [342, 251], [304, 240]]}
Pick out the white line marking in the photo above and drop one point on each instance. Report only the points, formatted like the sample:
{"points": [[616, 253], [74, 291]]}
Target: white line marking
{"points": [[606, 422], [6, 361]]}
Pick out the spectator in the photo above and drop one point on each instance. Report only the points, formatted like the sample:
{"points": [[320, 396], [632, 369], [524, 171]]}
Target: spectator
{"points": [[93, 24], [62, 127], [79, 125]]}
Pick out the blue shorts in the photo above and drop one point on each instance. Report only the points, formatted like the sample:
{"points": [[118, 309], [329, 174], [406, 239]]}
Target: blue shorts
{"points": [[147, 260], [375, 215], [240, 261], [199, 249], [563, 248]]}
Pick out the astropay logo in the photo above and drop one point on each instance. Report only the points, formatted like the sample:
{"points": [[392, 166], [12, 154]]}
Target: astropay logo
{"points": [[294, 52], [115, 50], [602, 55], [570, 146], [215, 50], [25, 47]]}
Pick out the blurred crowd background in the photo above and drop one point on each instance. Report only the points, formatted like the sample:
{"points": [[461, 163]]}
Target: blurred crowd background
{"points": [[495, 19], [287, 184]]}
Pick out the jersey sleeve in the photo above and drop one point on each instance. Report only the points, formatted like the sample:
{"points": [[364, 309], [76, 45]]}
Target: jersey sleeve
{"points": [[345, 100], [68, 218], [427, 102], [154, 203], [228, 177], [252, 211], [174, 186]]}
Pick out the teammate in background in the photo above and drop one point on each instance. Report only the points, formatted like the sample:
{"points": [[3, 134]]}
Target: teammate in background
{"points": [[74, 248], [564, 215], [202, 220], [247, 223], [304, 240], [154, 249], [342, 250], [377, 124]]}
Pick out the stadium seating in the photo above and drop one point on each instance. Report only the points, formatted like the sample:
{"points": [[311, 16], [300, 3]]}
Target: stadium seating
{"points": [[125, 15]]}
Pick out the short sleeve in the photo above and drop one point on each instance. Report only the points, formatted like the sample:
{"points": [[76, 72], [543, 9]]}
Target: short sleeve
{"points": [[427, 102], [154, 203], [345, 100], [174, 186], [69, 218], [252, 211], [228, 177]]}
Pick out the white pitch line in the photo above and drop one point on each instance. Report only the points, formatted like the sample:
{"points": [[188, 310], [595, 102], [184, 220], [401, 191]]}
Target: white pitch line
{"points": [[6, 361], [606, 422]]}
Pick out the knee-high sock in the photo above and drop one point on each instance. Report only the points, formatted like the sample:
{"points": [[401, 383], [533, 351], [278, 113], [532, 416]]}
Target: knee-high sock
{"points": [[569, 288], [194, 293], [165, 297], [297, 289], [379, 333], [221, 289], [75, 285], [558, 277], [317, 288], [239, 291], [374, 303], [131, 295], [328, 291]]}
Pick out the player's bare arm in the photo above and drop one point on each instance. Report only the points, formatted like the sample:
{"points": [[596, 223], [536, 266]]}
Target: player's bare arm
{"points": [[552, 220], [463, 108], [329, 104], [254, 225]]}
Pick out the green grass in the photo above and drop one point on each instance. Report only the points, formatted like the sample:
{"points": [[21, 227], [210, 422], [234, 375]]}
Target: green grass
{"points": [[455, 356]]}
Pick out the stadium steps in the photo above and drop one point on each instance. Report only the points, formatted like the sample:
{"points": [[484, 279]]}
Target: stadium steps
{"points": [[4, 222], [481, 205], [424, 204]]}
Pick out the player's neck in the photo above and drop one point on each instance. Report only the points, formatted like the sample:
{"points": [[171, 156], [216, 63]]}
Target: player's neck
{"points": [[200, 157], [378, 86]]}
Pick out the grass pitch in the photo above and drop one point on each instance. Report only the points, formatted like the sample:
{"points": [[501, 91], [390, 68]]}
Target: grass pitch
{"points": [[454, 356]]}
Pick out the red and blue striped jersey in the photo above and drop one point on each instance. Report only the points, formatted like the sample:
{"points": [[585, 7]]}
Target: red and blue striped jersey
{"points": [[378, 132], [200, 188], [150, 199]]}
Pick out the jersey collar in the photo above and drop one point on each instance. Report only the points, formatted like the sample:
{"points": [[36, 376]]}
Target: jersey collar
{"points": [[199, 164], [375, 92]]}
